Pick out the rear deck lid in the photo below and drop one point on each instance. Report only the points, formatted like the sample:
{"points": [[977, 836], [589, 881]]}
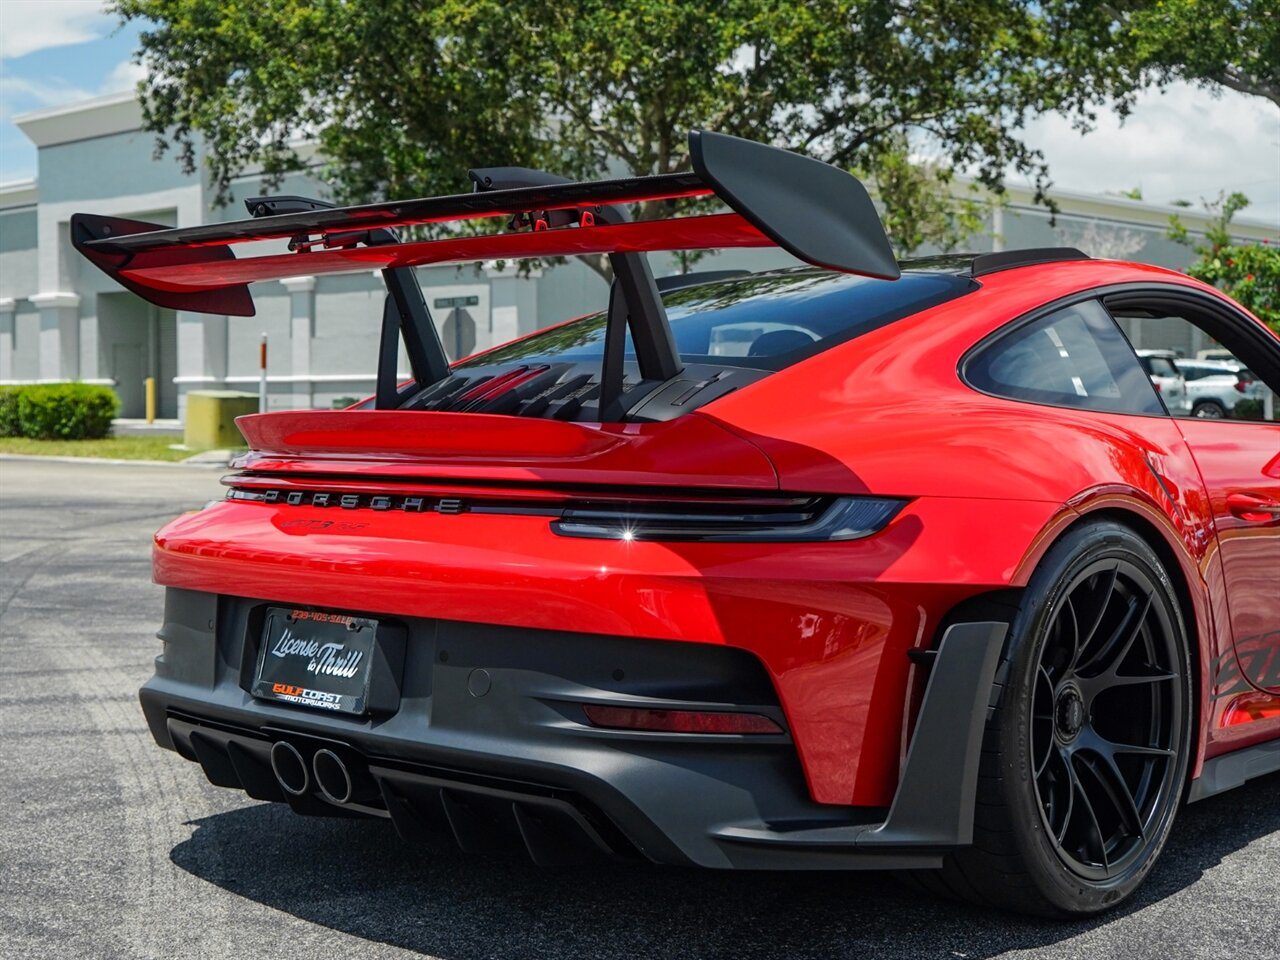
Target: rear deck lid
{"points": [[692, 451]]}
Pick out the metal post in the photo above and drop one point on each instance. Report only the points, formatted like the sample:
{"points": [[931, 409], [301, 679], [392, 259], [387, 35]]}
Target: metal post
{"points": [[151, 399], [262, 375], [1269, 405]]}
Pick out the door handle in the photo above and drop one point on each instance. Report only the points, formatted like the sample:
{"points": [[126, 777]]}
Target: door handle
{"points": [[1252, 506]]}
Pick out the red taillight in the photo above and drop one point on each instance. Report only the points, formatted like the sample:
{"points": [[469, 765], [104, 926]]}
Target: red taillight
{"points": [[1241, 386], [1156, 385], [678, 721]]}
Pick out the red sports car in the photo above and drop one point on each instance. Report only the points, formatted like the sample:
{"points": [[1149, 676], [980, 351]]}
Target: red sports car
{"points": [[858, 564]]}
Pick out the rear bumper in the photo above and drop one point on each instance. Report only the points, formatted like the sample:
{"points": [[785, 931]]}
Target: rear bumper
{"points": [[832, 623], [519, 763]]}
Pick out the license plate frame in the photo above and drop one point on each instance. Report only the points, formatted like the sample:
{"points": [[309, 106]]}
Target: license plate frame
{"points": [[316, 660]]}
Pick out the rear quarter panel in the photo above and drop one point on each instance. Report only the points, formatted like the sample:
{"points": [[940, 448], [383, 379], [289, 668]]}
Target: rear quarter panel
{"points": [[888, 413]]}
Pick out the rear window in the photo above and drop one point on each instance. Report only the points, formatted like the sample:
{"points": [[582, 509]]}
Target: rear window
{"points": [[766, 321]]}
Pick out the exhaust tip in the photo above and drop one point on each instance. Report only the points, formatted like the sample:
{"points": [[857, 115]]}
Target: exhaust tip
{"points": [[290, 768], [332, 776]]}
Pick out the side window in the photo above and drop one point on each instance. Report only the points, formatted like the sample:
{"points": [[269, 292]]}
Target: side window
{"points": [[1074, 357], [1219, 382], [1191, 371]]}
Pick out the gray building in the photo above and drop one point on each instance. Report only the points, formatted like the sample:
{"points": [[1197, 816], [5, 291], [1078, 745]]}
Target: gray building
{"points": [[61, 319]]}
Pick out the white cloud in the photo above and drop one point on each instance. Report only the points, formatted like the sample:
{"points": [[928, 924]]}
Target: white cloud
{"points": [[30, 25], [32, 94], [1185, 143], [124, 76]]}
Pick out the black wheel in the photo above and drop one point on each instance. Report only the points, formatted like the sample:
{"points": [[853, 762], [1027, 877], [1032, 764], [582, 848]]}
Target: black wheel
{"points": [[1209, 410], [1085, 756]]}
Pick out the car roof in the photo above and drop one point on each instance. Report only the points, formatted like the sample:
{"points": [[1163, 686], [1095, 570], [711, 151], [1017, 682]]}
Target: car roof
{"points": [[982, 264], [1199, 362]]}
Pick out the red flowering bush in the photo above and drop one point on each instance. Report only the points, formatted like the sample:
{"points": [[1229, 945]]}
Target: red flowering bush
{"points": [[1249, 272]]}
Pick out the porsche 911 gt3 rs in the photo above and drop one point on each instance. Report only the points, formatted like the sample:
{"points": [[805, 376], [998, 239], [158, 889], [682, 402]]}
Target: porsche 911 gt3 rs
{"points": [[857, 564]]}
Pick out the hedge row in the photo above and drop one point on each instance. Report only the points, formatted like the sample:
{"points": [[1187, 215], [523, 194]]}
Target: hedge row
{"points": [[57, 411]]}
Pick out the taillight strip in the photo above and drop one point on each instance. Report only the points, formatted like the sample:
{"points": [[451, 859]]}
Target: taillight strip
{"points": [[615, 516]]}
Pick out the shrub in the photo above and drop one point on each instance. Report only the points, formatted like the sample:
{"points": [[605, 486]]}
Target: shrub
{"points": [[1249, 272], [1247, 409], [9, 411], [65, 411]]}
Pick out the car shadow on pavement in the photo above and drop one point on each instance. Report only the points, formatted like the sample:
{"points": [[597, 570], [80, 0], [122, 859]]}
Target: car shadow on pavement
{"points": [[357, 877]]}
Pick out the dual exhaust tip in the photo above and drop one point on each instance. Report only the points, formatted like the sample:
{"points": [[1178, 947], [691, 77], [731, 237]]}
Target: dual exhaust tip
{"points": [[337, 781]]}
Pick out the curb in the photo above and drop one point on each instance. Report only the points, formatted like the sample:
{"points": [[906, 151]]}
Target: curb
{"points": [[36, 458]]}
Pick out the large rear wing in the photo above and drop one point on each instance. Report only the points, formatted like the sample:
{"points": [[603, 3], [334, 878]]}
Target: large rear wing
{"points": [[816, 212]]}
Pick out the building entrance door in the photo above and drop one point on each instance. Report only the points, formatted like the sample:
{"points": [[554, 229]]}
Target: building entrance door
{"points": [[127, 371], [138, 341]]}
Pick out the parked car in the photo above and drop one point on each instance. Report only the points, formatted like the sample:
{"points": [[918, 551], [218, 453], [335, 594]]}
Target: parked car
{"points": [[1214, 386], [924, 578], [1162, 367], [1215, 353]]}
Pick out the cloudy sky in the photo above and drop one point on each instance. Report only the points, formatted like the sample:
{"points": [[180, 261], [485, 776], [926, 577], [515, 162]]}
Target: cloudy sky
{"points": [[1185, 143]]}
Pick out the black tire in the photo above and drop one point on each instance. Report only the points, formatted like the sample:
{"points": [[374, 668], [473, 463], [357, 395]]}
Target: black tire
{"points": [[1209, 410], [1053, 834]]}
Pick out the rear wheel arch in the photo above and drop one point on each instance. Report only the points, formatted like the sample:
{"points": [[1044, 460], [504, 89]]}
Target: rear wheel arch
{"points": [[1002, 605], [976, 873]]}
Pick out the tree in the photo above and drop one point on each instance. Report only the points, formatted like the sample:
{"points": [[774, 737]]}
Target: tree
{"points": [[404, 95], [1248, 272], [919, 205], [1125, 45]]}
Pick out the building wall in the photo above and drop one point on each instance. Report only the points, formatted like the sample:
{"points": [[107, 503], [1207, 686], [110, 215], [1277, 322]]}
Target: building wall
{"points": [[24, 341], [62, 319], [1103, 239], [18, 252]]}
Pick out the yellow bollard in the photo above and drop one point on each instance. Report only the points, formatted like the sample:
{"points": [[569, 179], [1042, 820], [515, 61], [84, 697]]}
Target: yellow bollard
{"points": [[151, 399]]}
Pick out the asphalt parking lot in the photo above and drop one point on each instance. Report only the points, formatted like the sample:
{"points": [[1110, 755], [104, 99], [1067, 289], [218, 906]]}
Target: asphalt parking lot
{"points": [[110, 847]]}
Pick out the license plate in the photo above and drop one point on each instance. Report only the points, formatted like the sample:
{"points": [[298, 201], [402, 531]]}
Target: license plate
{"points": [[314, 659]]}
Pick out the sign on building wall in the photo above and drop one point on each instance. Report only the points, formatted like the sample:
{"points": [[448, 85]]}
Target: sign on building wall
{"points": [[448, 303]]}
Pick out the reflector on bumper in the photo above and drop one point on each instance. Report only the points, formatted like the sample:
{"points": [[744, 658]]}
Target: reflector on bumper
{"points": [[678, 721]]}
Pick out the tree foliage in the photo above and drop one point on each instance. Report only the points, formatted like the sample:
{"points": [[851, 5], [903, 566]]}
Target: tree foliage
{"points": [[1248, 272], [1125, 45], [403, 96], [920, 204]]}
